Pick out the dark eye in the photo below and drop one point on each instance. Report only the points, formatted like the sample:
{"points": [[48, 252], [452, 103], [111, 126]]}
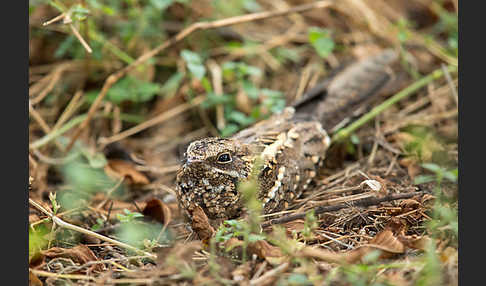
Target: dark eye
{"points": [[224, 158]]}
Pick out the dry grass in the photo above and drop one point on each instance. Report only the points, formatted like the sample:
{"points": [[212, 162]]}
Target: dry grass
{"points": [[407, 145]]}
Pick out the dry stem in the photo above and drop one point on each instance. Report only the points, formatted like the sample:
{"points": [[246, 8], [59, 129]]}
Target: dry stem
{"points": [[64, 224]]}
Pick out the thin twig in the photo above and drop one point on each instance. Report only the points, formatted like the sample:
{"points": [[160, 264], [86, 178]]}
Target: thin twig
{"points": [[66, 225], [66, 276], [451, 84], [154, 121], [55, 19], [54, 78], [109, 192], [72, 106], [38, 118], [271, 273], [80, 38], [56, 133], [218, 91], [113, 78]]}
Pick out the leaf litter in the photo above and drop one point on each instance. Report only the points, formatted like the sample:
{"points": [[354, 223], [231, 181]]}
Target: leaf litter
{"points": [[412, 146]]}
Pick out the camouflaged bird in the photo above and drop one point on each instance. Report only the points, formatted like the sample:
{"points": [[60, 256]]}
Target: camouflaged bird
{"points": [[291, 146]]}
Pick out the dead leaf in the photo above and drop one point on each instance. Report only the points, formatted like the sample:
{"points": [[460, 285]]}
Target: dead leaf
{"points": [[386, 241], [264, 250], [409, 204], [243, 103], [449, 255], [200, 223], [119, 168], [397, 225], [80, 254], [323, 254], [158, 210], [412, 165], [383, 184], [232, 244], [33, 280], [36, 261], [294, 226], [414, 241], [170, 259], [428, 200]]}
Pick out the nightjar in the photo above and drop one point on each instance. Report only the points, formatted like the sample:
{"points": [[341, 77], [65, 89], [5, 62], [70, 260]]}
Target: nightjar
{"points": [[291, 146]]}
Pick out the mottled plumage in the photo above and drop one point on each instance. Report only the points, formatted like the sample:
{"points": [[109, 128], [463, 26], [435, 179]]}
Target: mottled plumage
{"points": [[291, 146]]}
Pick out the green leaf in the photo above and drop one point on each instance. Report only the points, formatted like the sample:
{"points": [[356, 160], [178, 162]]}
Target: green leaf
{"points": [[433, 167], [98, 225], [252, 5], [161, 4], [240, 118], [283, 54], [229, 129], [255, 237], [354, 139], [79, 12], [451, 175], [197, 70], [213, 99], [251, 90], [321, 41], [190, 56], [128, 216], [129, 89], [422, 179], [206, 85], [298, 279], [194, 63], [241, 69], [65, 46]]}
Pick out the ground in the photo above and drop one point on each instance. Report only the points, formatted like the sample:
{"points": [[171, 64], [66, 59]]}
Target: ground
{"points": [[118, 89]]}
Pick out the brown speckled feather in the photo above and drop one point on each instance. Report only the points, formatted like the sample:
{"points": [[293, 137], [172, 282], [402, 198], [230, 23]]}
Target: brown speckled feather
{"points": [[291, 145]]}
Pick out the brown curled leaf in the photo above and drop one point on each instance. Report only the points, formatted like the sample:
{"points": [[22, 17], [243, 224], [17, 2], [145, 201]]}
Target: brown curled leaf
{"points": [[158, 210], [200, 223], [36, 260], [384, 241], [414, 241], [33, 280], [397, 225], [409, 204], [119, 168], [265, 250], [80, 254], [294, 226]]}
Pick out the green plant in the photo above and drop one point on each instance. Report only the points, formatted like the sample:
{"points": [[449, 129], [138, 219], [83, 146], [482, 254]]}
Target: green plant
{"points": [[310, 224], [129, 216], [440, 173], [321, 40]]}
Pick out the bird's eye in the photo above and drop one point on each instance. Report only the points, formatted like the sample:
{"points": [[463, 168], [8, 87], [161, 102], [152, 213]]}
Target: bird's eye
{"points": [[224, 158]]}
